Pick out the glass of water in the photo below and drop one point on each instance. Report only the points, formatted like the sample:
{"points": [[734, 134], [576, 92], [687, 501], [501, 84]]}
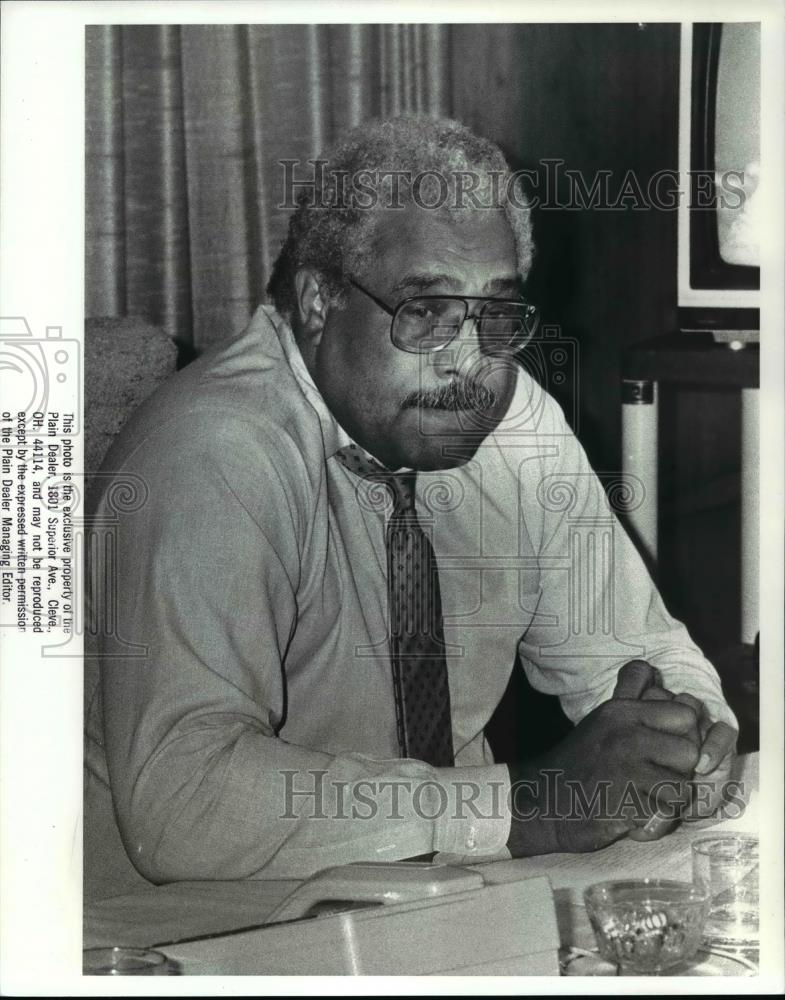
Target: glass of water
{"points": [[727, 866]]}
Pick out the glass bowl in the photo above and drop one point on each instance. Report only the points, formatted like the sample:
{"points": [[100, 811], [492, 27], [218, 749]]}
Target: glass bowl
{"points": [[647, 925], [126, 962]]}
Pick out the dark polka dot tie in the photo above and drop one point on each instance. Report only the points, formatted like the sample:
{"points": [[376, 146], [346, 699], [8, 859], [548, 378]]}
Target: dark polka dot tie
{"points": [[416, 634]]}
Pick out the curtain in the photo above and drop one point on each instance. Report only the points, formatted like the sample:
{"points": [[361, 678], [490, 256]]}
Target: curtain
{"points": [[186, 126]]}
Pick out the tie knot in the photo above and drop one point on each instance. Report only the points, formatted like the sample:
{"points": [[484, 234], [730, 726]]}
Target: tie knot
{"points": [[400, 484]]}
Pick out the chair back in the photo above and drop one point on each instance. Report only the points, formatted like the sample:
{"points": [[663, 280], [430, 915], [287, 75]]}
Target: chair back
{"points": [[126, 359]]}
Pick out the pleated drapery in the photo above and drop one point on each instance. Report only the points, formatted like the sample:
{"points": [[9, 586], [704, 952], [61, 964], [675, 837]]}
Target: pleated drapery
{"points": [[186, 126]]}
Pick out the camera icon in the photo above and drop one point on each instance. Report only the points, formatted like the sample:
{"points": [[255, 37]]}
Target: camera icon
{"points": [[552, 360], [41, 375]]}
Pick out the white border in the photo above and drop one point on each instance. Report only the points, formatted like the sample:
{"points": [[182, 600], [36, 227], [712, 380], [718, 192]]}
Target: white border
{"points": [[42, 249]]}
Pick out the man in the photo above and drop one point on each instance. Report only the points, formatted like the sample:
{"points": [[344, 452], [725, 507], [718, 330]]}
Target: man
{"points": [[354, 514]]}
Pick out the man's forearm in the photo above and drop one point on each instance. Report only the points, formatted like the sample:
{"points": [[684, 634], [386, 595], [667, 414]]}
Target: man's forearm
{"points": [[226, 801]]}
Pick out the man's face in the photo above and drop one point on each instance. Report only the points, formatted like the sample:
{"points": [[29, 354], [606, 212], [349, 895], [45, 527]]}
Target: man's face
{"points": [[387, 399]]}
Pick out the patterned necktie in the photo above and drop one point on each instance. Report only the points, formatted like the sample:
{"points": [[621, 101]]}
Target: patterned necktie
{"points": [[416, 635]]}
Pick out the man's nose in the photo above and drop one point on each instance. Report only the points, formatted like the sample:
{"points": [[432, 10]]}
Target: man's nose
{"points": [[462, 354]]}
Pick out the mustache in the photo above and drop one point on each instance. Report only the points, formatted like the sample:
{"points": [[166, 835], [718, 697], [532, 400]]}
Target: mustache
{"points": [[464, 395]]}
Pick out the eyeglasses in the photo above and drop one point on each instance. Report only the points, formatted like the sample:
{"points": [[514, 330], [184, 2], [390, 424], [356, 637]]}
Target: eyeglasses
{"points": [[424, 323]]}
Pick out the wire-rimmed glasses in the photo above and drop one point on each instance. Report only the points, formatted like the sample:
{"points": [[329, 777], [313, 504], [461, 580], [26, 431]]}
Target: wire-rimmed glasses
{"points": [[424, 323]]}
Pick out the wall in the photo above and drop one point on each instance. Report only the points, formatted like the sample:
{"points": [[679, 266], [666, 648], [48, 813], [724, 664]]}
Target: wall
{"points": [[601, 98]]}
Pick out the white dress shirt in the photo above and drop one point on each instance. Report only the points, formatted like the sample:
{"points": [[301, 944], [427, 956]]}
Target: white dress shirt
{"points": [[246, 709]]}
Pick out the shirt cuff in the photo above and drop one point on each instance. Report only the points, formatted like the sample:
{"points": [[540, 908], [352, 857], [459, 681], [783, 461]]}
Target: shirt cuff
{"points": [[473, 814]]}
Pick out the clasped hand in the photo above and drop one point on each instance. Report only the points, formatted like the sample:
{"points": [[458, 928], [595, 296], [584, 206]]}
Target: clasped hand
{"points": [[639, 753]]}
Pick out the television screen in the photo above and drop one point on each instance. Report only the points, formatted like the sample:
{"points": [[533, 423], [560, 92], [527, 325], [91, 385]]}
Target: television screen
{"points": [[737, 142], [720, 169]]}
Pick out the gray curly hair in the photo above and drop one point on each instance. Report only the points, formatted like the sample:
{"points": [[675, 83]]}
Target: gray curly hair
{"points": [[389, 162]]}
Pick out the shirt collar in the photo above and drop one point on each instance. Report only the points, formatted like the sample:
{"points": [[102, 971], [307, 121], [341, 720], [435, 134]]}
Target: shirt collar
{"points": [[333, 434]]}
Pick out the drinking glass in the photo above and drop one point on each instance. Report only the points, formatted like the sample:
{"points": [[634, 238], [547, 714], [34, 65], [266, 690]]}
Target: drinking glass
{"points": [[727, 866]]}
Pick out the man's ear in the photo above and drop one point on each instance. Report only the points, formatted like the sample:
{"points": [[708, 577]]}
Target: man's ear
{"points": [[311, 305]]}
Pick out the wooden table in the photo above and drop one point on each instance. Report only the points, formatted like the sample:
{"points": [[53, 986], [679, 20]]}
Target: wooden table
{"points": [[190, 909]]}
